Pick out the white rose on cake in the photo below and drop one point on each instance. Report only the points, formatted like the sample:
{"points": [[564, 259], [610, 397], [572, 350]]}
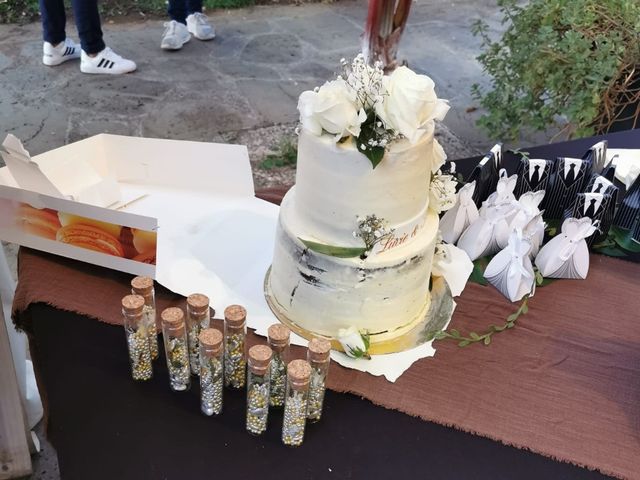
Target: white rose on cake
{"points": [[331, 108], [410, 104], [354, 343]]}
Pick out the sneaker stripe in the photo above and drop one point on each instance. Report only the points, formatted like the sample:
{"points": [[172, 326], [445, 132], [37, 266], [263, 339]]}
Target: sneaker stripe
{"points": [[102, 61], [111, 65]]}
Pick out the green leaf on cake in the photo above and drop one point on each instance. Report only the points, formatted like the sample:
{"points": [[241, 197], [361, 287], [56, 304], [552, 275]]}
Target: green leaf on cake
{"points": [[333, 251], [375, 155], [368, 140]]}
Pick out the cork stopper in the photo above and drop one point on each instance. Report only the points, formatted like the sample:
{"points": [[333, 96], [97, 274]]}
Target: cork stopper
{"points": [[142, 285], [235, 316], [259, 358], [132, 304], [173, 319], [198, 302], [211, 341], [319, 350], [299, 373], [278, 336]]}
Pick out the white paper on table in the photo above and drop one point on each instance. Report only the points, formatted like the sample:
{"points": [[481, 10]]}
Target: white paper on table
{"points": [[391, 365], [627, 162], [222, 248]]}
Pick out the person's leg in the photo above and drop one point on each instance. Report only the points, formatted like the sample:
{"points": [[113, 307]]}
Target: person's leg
{"points": [[53, 21], [176, 34], [57, 48], [177, 11], [95, 56], [193, 6], [197, 22], [88, 24]]}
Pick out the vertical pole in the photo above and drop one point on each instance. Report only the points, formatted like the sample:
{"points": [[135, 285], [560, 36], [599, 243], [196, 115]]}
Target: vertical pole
{"points": [[15, 460]]}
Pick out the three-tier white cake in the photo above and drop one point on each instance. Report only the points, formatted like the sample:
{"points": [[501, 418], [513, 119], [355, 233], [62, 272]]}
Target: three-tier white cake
{"points": [[385, 290]]}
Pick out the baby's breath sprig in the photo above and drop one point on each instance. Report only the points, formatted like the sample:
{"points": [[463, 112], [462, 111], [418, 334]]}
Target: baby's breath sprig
{"points": [[366, 81], [372, 230]]}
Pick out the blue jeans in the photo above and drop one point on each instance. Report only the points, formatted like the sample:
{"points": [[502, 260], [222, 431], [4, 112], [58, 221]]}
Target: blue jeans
{"points": [[179, 10], [87, 22]]}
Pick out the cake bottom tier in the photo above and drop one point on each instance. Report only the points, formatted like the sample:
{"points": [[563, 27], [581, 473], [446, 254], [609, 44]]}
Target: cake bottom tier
{"points": [[385, 294]]}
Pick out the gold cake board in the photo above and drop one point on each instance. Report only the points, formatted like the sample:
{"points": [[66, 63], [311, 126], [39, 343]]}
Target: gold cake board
{"points": [[439, 312]]}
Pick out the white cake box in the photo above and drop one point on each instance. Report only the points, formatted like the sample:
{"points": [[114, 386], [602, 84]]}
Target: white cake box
{"points": [[182, 212]]}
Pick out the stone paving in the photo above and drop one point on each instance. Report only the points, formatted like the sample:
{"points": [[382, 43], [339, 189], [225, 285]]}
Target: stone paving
{"points": [[247, 78], [240, 88]]}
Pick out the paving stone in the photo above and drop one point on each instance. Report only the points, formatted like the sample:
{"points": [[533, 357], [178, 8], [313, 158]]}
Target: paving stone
{"points": [[193, 116], [5, 61], [275, 101], [80, 128], [273, 48], [324, 31]]}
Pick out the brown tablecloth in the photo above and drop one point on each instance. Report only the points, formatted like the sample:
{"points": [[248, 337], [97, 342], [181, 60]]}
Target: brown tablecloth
{"points": [[564, 383]]}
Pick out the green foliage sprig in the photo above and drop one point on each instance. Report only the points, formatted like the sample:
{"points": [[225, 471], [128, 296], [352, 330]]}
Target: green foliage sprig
{"points": [[477, 276], [560, 60], [485, 337], [619, 243], [286, 155], [360, 353]]}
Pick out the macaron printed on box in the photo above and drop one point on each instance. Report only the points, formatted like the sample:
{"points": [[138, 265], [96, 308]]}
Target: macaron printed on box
{"points": [[182, 212]]}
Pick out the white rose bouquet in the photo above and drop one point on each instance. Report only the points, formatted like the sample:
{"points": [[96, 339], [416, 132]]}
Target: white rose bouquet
{"points": [[374, 109]]}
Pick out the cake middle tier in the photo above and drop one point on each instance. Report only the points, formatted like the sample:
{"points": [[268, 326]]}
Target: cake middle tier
{"points": [[336, 184], [382, 294]]}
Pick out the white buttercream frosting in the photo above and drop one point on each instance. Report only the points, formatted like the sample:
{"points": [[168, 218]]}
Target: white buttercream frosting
{"points": [[336, 184], [323, 294]]}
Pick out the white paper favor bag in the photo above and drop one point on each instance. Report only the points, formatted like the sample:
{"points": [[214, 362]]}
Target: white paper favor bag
{"points": [[510, 271], [484, 236], [566, 255], [464, 213]]}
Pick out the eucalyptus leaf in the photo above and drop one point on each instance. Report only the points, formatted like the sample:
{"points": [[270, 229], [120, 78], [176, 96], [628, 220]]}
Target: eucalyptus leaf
{"points": [[474, 335], [374, 154], [479, 266], [339, 252], [487, 340], [464, 343], [623, 237]]}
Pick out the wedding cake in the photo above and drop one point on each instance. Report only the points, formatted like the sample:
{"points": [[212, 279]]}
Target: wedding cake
{"points": [[357, 234]]}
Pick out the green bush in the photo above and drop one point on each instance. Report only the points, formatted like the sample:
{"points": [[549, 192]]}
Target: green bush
{"points": [[18, 11], [286, 155], [573, 60]]}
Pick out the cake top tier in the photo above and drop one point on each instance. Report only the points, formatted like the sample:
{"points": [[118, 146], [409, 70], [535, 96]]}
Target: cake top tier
{"points": [[366, 154]]}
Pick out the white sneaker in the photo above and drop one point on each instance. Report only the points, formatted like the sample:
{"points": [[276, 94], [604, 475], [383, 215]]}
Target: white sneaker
{"points": [[67, 50], [107, 61], [198, 24], [174, 36]]}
